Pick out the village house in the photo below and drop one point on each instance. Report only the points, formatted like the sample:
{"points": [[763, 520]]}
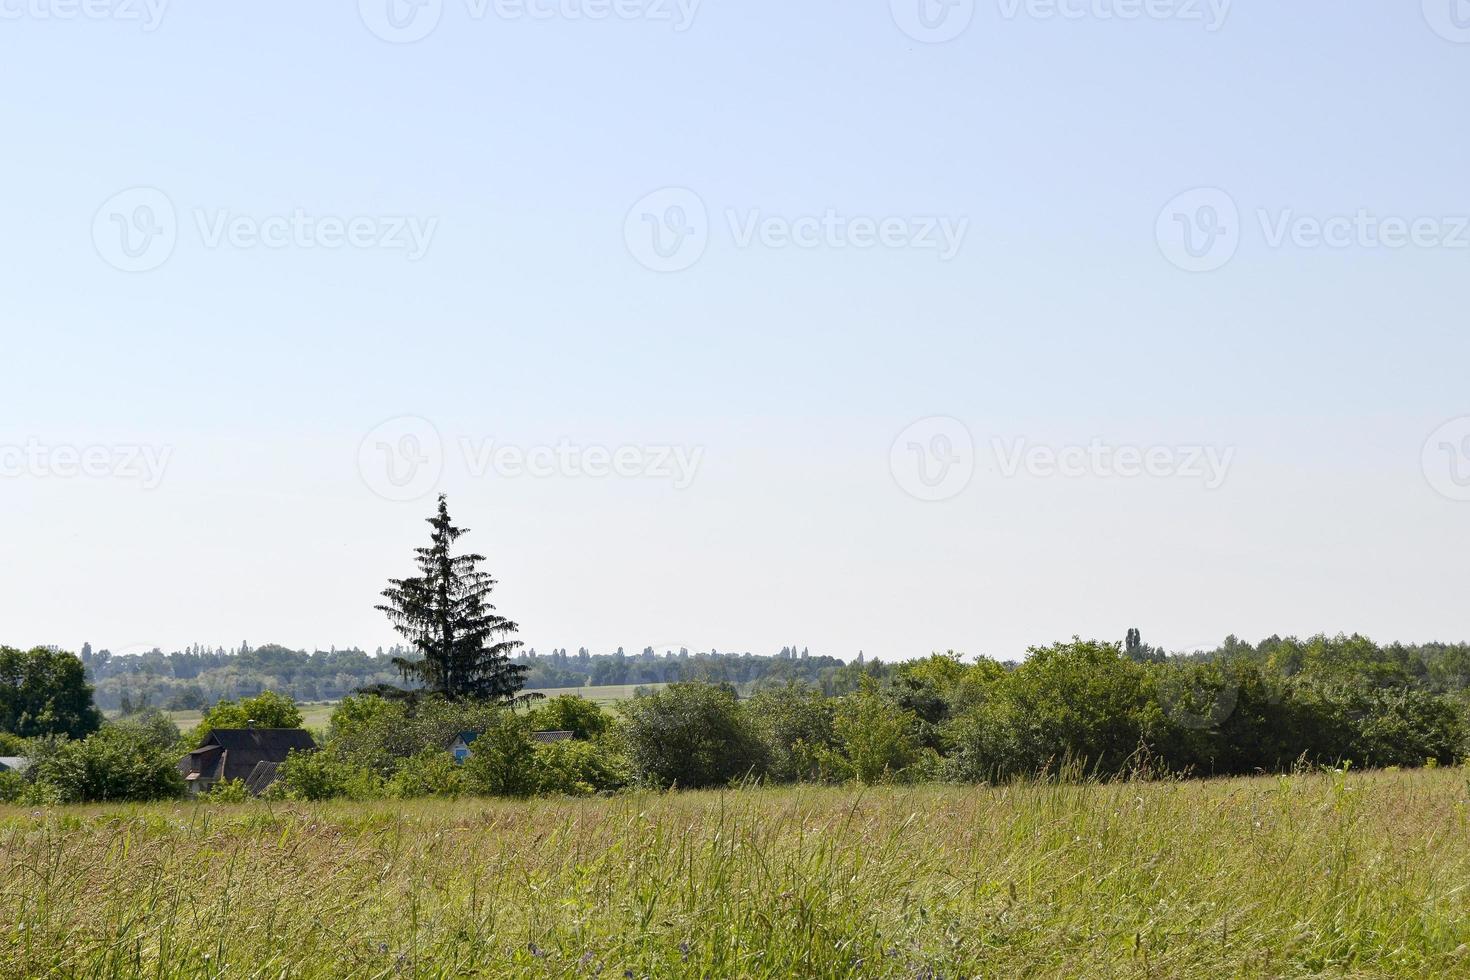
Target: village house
{"points": [[460, 747], [251, 755], [14, 763]]}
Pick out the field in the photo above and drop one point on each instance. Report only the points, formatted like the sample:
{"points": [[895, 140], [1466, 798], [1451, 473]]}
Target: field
{"points": [[316, 714], [1363, 875]]}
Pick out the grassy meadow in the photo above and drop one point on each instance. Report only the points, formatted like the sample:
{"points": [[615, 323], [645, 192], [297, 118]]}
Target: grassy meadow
{"points": [[1357, 874]]}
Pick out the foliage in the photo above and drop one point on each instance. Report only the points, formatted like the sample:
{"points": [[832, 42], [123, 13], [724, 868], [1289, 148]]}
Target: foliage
{"points": [[794, 725], [503, 759], [45, 692], [569, 713], [876, 738], [312, 776], [265, 710], [114, 764], [690, 735], [378, 734], [445, 613], [580, 768]]}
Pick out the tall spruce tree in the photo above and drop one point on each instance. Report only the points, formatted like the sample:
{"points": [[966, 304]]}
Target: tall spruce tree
{"points": [[445, 613]]}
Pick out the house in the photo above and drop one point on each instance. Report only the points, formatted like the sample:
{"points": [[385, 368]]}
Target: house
{"points": [[14, 763], [251, 755], [460, 747]]}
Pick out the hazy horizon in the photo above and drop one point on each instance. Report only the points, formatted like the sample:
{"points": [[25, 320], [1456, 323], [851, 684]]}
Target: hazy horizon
{"points": [[896, 327]]}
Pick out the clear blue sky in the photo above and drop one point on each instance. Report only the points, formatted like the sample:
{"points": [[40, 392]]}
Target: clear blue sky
{"points": [[529, 320]]}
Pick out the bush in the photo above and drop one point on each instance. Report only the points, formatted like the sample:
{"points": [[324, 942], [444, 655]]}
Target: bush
{"points": [[312, 776], [876, 737], [502, 759], [379, 734], [573, 768], [690, 736], [116, 764], [794, 724], [231, 791], [432, 772]]}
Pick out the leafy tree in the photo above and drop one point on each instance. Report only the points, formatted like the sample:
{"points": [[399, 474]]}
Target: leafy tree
{"points": [[445, 614], [570, 713], [689, 736], [578, 768], [266, 710], [45, 692]]}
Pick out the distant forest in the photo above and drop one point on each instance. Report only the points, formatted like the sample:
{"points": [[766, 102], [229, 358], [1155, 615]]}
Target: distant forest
{"points": [[197, 677]]}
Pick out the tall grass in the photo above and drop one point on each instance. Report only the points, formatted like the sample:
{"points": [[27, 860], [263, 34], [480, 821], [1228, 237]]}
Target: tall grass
{"points": [[1338, 873]]}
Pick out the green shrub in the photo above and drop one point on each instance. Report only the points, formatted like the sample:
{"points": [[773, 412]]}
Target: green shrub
{"points": [[116, 764], [794, 724], [502, 759], [432, 772], [876, 738], [690, 736], [229, 791], [576, 768], [312, 776]]}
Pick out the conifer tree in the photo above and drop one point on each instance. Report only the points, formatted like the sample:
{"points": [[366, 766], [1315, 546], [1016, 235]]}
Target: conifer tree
{"points": [[445, 614]]}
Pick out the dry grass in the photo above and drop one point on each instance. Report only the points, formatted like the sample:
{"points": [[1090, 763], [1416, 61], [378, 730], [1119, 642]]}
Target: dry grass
{"points": [[1361, 875]]}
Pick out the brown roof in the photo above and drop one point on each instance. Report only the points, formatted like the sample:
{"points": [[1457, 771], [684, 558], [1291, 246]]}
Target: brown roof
{"points": [[233, 753]]}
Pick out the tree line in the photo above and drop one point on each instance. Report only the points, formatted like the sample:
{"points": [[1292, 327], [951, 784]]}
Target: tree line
{"points": [[1082, 707]]}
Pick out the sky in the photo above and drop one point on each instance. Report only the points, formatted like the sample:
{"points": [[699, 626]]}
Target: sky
{"points": [[880, 325]]}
